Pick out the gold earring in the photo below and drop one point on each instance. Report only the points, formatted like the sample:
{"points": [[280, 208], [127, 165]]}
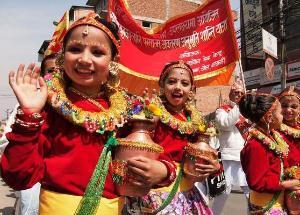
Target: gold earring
{"points": [[59, 61], [113, 76]]}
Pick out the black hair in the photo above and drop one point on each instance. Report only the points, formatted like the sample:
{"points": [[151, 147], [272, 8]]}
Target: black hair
{"points": [[43, 63], [254, 107], [111, 26]]}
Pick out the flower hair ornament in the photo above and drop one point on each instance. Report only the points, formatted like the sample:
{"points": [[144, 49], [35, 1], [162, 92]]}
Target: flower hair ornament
{"points": [[289, 91], [181, 65], [94, 19]]}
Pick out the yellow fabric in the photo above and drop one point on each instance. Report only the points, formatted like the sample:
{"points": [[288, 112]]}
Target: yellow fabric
{"points": [[185, 184], [262, 199], [52, 203]]}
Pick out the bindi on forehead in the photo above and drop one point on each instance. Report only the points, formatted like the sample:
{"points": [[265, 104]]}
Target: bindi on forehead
{"points": [[85, 32]]}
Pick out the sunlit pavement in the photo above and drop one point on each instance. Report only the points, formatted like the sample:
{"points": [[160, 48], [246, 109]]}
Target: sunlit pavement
{"points": [[235, 205]]}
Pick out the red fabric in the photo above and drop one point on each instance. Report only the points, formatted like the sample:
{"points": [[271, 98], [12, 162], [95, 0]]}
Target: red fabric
{"points": [[171, 140], [261, 166], [294, 149], [60, 155], [204, 38]]}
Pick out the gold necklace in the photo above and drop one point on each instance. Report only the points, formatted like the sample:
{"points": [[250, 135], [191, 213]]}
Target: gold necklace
{"points": [[98, 122], [91, 100]]}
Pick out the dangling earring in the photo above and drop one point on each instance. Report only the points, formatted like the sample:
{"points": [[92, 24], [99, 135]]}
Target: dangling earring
{"points": [[161, 92], [191, 96], [113, 77], [268, 127], [59, 61]]}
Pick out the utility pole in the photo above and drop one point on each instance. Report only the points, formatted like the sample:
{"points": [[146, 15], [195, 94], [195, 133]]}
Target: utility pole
{"points": [[282, 38]]}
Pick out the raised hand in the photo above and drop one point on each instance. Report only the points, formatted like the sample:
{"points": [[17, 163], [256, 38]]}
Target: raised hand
{"points": [[24, 85]]}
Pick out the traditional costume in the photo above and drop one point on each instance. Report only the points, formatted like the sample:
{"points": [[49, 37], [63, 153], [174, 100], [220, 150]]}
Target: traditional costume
{"points": [[291, 134], [68, 147], [60, 155], [173, 132], [263, 160], [188, 200]]}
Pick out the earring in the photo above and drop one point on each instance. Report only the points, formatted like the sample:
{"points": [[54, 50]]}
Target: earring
{"points": [[268, 127], [59, 61], [113, 77], [191, 96]]}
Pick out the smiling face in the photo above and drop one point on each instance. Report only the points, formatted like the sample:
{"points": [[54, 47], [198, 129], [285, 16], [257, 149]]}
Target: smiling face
{"points": [[290, 109], [87, 58], [177, 86]]}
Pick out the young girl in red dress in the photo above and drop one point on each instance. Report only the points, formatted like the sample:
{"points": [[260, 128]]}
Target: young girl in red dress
{"points": [[179, 123], [290, 103], [290, 130], [264, 156], [66, 144]]}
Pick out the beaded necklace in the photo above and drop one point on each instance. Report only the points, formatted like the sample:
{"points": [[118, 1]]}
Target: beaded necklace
{"points": [[294, 132], [277, 145], [194, 123], [98, 122]]}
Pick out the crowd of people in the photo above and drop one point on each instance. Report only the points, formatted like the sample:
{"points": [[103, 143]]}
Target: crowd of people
{"points": [[72, 111]]}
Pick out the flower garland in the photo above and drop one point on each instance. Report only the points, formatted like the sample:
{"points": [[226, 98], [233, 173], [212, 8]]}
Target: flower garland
{"points": [[279, 146], [294, 132], [194, 125], [98, 122], [292, 172]]}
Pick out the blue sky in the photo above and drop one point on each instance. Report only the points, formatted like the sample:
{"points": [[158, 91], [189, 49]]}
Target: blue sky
{"points": [[24, 27]]}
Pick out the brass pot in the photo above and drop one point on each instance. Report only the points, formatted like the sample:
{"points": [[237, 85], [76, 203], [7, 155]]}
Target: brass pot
{"points": [[292, 203], [137, 143], [193, 151]]}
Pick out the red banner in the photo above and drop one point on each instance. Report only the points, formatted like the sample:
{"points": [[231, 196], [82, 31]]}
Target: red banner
{"points": [[205, 39]]}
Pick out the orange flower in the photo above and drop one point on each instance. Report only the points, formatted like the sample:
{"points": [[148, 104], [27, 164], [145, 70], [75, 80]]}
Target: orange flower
{"points": [[155, 110]]}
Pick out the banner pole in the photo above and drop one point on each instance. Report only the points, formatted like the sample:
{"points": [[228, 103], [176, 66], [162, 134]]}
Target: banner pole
{"points": [[242, 75]]}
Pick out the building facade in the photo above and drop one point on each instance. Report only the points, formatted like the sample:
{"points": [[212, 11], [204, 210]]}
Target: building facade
{"points": [[149, 14], [281, 21]]}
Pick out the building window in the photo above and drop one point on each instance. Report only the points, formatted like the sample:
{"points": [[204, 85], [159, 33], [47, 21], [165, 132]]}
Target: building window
{"points": [[146, 24]]}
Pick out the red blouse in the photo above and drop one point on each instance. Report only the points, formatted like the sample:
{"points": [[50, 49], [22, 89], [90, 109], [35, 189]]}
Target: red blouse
{"points": [[60, 155], [261, 166], [171, 140]]}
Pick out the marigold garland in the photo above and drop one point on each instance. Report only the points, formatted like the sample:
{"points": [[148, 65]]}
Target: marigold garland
{"points": [[278, 145], [98, 122], [196, 124], [294, 132], [293, 172]]}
